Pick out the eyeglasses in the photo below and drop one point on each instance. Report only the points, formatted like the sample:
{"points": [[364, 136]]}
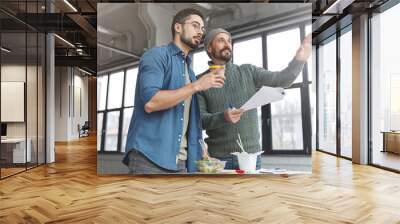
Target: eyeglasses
{"points": [[196, 27]]}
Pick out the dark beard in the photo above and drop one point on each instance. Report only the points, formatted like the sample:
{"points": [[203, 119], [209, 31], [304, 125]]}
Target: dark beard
{"points": [[188, 42], [222, 57]]}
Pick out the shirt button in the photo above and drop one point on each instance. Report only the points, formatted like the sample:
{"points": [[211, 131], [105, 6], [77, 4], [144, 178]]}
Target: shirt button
{"points": [[183, 104], [179, 139], [182, 119]]}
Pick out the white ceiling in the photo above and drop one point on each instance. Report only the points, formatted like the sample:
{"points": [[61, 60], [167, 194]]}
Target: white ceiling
{"points": [[135, 27]]}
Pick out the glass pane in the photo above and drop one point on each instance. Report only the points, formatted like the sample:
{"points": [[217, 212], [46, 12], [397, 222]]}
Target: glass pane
{"points": [[130, 86], [259, 114], [287, 131], [346, 94], [31, 101], [385, 85], [310, 59], [308, 29], [248, 52], [312, 89], [327, 97], [14, 153], [115, 90], [200, 62], [281, 48], [313, 100], [101, 92], [111, 143], [99, 129], [41, 99], [127, 120]]}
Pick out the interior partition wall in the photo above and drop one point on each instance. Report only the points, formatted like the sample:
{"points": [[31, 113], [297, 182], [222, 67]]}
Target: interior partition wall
{"points": [[22, 88]]}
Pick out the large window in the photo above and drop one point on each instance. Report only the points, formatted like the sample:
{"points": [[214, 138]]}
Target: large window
{"points": [[115, 90], [385, 88], [119, 99], [112, 125], [250, 52], [285, 127], [334, 50], [101, 92], [346, 93], [200, 62], [289, 129], [327, 96], [278, 58], [287, 114], [286, 122]]}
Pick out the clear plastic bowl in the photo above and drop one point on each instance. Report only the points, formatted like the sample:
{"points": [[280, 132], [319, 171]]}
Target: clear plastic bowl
{"points": [[210, 166]]}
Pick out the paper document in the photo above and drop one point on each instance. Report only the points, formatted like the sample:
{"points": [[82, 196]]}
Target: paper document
{"points": [[264, 96]]}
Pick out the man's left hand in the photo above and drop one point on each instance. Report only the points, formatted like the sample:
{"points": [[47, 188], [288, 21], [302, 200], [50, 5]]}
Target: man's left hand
{"points": [[305, 49]]}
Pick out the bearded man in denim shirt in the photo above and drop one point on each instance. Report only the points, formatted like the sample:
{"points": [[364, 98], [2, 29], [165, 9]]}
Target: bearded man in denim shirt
{"points": [[165, 129]]}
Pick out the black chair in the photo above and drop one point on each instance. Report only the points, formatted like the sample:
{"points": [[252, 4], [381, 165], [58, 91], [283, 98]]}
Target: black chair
{"points": [[84, 130]]}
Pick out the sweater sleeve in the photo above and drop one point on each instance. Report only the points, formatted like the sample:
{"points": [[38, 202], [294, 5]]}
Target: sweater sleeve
{"points": [[284, 78], [210, 120]]}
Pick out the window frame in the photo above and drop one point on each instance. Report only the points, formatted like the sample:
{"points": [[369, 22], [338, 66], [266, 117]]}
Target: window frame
{"points": [[266, 124], [334, 37], [121, 109]]}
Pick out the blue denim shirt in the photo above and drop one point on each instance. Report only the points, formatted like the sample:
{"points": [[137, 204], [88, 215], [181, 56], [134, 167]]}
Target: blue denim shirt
{"points": [[158, 134]]}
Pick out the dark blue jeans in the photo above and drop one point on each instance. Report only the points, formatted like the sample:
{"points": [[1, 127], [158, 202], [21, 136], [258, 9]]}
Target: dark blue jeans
{"points": [[233, 164], [140, 164]]}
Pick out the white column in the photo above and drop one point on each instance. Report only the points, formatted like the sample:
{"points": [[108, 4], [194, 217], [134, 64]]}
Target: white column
{"points": [[50, 100], [360, 90]]}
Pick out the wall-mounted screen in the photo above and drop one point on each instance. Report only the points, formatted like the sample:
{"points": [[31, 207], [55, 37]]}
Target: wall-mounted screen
{"points": [[12, 101]]}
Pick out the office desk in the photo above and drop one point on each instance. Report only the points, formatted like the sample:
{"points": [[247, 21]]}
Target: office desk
{"points": [[391, 142], [13, 150]]}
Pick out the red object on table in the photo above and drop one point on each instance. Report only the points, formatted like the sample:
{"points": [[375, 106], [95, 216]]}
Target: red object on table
{"points": [[239, 171]]}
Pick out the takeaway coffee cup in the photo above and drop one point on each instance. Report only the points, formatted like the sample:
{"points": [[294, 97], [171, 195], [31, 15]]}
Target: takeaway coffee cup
{"points": [[247, 161], [218, 69]]}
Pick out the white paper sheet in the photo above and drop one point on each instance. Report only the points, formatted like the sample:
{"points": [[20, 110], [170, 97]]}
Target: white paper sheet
{"points": [[264, 96]]}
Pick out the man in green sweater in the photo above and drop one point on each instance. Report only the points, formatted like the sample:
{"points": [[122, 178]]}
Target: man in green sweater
{"points": [[223, 123]]}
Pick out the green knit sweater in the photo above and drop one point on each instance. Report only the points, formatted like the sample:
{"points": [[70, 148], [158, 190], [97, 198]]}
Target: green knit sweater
{"points": [[241, 83]]}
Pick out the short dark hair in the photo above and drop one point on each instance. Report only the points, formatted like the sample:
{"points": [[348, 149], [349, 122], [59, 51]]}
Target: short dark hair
{"points": [[181, 17]]}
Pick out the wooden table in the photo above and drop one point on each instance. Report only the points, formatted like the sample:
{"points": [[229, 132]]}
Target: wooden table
{"points": [[391, 141]]}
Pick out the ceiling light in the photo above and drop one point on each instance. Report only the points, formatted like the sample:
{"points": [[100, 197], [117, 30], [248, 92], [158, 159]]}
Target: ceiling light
{"points": [[338, 6], [65, 41], [5, 50], [70, 5], [86, 72]]}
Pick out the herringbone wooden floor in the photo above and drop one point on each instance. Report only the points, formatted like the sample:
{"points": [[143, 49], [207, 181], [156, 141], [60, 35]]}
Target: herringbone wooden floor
{"points": [[70, 191]]}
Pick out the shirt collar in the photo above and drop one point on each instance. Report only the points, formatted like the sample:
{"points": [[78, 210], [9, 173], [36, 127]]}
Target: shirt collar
{"points": [[175, 50]]}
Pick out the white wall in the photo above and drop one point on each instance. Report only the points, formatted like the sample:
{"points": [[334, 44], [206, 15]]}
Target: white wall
{"points": [[70, 83], [33, 126], [12, 73]]}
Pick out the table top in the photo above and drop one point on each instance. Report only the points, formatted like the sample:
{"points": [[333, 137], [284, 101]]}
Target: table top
{"points": [[261, 171], [391, 132], [13, 140]]}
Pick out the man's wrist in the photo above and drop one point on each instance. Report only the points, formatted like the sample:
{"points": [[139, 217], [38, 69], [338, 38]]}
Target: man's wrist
{"points": [[195, 87]]}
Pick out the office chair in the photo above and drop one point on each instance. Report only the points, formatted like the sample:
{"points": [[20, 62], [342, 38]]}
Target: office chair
{"points": [[84, 130]]}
